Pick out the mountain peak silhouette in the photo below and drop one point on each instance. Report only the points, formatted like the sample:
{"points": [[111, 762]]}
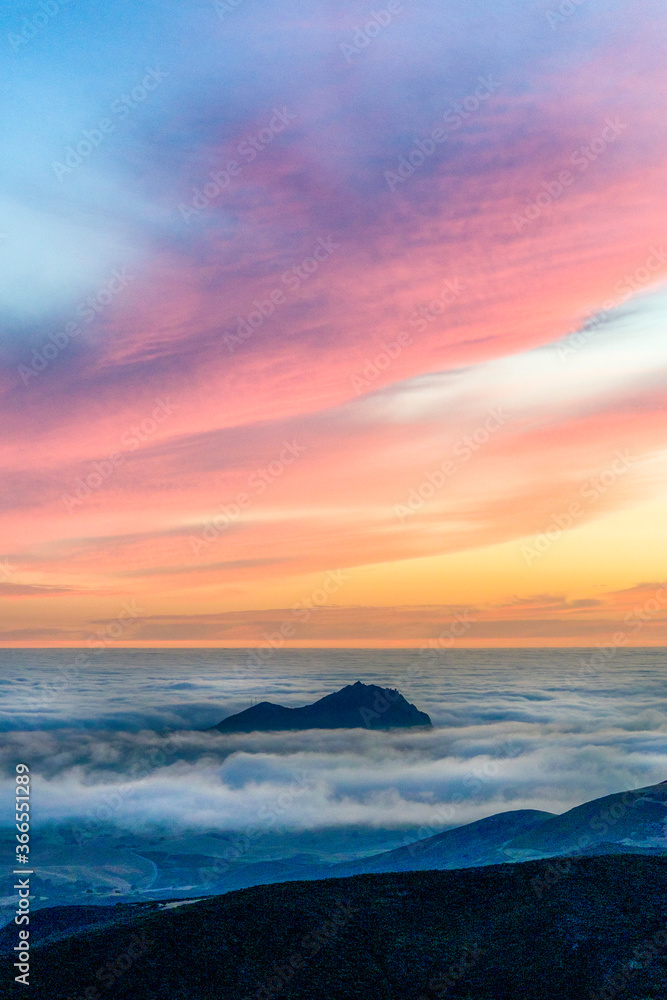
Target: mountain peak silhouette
{"points": [[355, 706]]}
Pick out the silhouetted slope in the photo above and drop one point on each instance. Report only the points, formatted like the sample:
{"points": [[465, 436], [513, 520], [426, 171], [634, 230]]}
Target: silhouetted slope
{"points": [[478, 843], [57, 921], [531, 931], [637, 817], [354, 706]]}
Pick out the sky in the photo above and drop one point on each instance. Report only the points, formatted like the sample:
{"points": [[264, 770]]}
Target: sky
{"points": [[333, 323]]}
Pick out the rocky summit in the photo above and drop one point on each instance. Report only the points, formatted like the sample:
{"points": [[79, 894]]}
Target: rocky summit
{"points": [[355, 706]]}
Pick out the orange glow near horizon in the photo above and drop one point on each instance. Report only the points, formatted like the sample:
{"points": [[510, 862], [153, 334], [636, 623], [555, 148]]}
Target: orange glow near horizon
{"points": [[382, 403]]}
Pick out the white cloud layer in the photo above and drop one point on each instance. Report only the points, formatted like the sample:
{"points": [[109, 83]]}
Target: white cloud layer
{"points": [[512, 730]]}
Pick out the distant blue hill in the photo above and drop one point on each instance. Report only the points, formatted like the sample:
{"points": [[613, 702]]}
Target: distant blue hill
{"points": [[355, 706], [478, 843], [634, 820]]}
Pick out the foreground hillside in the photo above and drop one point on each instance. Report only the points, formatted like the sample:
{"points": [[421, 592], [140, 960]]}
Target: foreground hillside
{"points": [[579, 928]]}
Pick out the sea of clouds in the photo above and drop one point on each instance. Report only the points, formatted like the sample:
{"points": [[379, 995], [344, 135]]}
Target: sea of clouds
{"points": [[124, 741]]}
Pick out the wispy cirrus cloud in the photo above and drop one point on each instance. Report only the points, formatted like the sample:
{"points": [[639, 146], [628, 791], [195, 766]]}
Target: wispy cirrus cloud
{"points": [[557, 322]]}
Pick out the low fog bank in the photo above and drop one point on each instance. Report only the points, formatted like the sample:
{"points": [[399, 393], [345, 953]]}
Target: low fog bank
{"points": [[319, 779], [125, 742]]}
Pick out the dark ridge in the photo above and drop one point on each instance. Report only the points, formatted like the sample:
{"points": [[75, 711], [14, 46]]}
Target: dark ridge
{"points": [[572, 929], [58, 922]]}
